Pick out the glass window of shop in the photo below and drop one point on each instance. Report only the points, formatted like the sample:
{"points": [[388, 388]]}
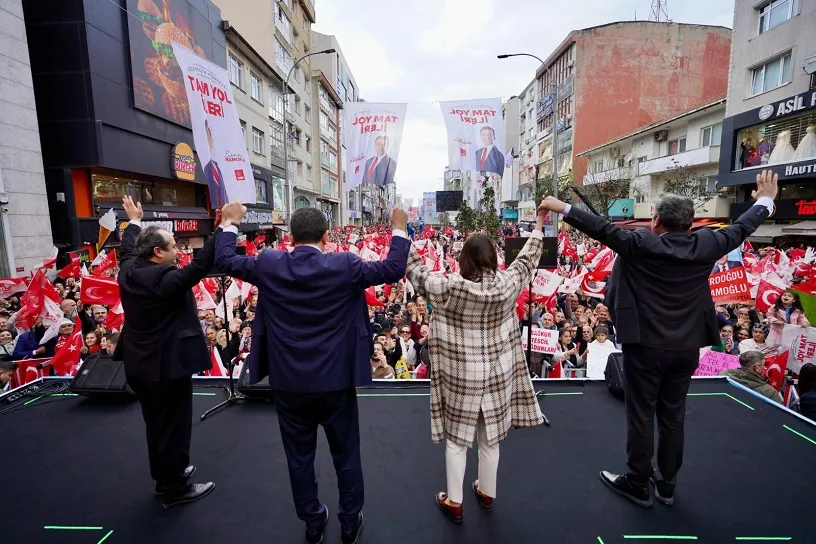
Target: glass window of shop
{"points": [[278, 194], [777, 141], [260, 191], [111, 189]]}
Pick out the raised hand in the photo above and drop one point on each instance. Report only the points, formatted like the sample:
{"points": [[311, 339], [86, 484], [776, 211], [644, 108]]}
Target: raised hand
{"points": [[767, 185], [399, 219], [133, 210], [232, 214]]}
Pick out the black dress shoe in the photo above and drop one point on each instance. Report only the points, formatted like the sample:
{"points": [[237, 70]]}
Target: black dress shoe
{"points": [[351, 535], [314, 535], [188, 493], [663, 493], [187, 474], [620, 484]]}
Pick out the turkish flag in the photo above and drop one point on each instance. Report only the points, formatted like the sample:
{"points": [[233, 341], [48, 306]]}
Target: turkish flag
{"points": [[105, 264], [767, 294], [71, 270], [775, 368], [217, 368], [66, 356], [371, 298], [184, 259], [115, 318], [95, 290], [203, 299], [32, 301]]}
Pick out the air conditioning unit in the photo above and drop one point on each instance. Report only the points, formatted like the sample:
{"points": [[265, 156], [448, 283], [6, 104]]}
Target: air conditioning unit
{"points": [[661, 136]]}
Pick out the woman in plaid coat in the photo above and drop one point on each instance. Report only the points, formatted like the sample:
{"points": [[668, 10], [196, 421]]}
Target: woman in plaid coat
{"points": [[480, 385]]}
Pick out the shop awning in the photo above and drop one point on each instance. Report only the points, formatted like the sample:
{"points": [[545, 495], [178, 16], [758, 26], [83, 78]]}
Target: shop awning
{"points": [[765, 234], [632, 225], [805, 228]]}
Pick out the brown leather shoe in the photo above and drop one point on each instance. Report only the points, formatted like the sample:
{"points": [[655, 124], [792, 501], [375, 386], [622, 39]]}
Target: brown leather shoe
{"points": [[484, 501], [455, 513]]}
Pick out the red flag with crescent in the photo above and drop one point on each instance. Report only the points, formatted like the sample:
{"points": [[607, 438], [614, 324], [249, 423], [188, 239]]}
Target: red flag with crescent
{"points": [[767, 294], [95, 290]]}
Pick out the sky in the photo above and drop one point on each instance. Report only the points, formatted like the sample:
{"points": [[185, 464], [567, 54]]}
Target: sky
{"points": [[424, 51]]}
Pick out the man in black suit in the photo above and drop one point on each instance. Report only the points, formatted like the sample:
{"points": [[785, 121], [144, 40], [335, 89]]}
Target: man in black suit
{"points": [[213, 175], [162, 346], [488, 157], [380, 169], [659, 297], [724, 264]]}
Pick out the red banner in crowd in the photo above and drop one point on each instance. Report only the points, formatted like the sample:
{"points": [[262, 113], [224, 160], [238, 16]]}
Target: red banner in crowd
{"points": [[11, 286], [730, 286], [95, 290]]}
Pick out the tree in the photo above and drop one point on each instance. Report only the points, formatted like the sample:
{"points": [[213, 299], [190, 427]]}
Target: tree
{"points": [[490, 221], [544, 188], [603, 195], [683, 181], [466, 219]]}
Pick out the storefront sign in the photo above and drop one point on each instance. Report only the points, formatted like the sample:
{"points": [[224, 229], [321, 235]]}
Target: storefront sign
{"points": [[800, 169], [260, 219], [545, 106], [800, 102], [182, 226], [786, 210], [186, 225], [184, 164], [83, 255]]}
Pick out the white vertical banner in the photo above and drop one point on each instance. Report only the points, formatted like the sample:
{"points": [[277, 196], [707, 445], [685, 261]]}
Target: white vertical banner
{"points": [[475, 135], [217, 133], [373, 137]]}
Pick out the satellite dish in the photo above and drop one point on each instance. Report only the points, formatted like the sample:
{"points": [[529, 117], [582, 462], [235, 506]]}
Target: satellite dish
{"points": [[810, 65]]}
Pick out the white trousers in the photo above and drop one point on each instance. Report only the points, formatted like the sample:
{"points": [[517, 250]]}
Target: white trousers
{"points": [[456, 461]]}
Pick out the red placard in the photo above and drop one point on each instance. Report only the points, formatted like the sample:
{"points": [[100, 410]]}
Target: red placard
{"points": [[730, 286]]}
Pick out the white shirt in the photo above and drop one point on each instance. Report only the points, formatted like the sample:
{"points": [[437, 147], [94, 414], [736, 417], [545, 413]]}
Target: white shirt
{"points": [[396, 232]]}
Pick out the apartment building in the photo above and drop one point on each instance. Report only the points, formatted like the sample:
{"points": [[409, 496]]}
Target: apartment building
{"points": [[771, 111], [280, 31], [253, 80], [326, 153], [509, 185], [525, 165], [684, 149]]}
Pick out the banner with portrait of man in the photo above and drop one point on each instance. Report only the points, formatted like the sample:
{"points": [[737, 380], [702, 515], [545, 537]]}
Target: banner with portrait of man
{"points": [[373, 134], [217, 133], [475, 135]]}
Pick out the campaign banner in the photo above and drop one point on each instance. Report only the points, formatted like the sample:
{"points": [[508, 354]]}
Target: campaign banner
{"points": [[544, 340], [546, 283], [597, 357], [429, 207], [798, 344], [475, 135], [217, 133], [373, 135], [729, 286], [714, 362]]}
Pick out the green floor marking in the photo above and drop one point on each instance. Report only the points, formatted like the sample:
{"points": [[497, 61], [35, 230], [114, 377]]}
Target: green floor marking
{"points": [[72, 528], [600, 540], [543, 394], [763, 538], [800, 435], [660, 537], [393, 394], [35, 399], [721, 394], [104, 538], [205, 394]]}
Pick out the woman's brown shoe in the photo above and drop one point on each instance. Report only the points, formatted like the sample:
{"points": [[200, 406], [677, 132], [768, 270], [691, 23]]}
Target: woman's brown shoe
{"points": [[484, 501], [455, 513]]}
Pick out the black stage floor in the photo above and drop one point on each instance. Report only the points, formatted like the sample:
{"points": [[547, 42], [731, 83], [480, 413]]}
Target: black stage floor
{"points": [[73, 462]]}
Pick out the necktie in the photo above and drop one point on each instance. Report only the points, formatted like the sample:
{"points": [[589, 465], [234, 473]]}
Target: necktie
{"points": [[484, 157], [216, 177], [373, 166]]}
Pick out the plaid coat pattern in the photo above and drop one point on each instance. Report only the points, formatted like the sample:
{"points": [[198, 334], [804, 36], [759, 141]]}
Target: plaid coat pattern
{"points": [[477, 362]]}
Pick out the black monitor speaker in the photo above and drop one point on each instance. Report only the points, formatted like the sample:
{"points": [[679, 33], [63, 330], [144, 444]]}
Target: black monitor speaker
{"points": [[102, 377]]}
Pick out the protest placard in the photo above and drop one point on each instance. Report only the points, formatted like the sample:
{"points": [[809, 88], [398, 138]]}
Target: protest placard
{"points": [[714, 362], [544, 340]]}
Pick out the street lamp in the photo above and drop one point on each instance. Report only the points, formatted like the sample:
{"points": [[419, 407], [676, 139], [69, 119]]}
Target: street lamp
{"points": [[290, 192], [554, 134]]}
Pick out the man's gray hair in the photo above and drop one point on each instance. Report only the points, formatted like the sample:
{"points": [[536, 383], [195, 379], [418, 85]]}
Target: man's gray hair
{"points": [[150, 238], [676, 212], [750, 359], [308, 225]]}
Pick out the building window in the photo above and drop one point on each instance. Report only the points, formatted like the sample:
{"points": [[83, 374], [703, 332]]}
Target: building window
{"points": [[677, 146], [236, 72], [771, 75], [277, 142], [775, 13], [712, 135], [707, 185], [255, 89], [309, 177], [257, 141], [308, 144], [260, 191], [297, 104], [308, 114], [243, 130]]}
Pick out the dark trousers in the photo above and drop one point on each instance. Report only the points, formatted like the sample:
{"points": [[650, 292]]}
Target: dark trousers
{"points": [[657, 382], [299, 415], [167, 408]]}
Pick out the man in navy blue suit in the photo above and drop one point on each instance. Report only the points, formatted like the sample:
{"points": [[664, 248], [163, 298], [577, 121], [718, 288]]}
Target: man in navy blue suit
{"points": [[312, 336]]}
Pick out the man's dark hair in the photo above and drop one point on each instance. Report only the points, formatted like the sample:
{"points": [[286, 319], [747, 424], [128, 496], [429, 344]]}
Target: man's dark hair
{"points": [[750, 359], [676, 212], [150, 238], [113, 337], [478, 256], [308, 225], [488, 127], [7, 366]]}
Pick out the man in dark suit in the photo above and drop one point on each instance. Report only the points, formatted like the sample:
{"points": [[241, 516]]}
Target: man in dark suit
{"points": [[162, 346], [312, 336], [213, 175], [659, 297], [724, 264], [488, 157], [379, 169]]}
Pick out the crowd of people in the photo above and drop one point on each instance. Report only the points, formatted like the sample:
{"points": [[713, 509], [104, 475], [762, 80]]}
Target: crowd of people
{"points": [[401, 318]]}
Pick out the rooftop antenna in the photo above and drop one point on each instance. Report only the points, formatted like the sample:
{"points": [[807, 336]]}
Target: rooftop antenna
{"points": [[660, 11]]}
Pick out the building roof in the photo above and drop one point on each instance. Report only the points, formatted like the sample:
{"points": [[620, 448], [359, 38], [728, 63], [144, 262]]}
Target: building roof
{"points": [[571, 38], [654, 125], [329, 88]]}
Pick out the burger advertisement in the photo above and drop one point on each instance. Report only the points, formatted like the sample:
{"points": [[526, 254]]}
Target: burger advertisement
{"points": [[157, 79]]}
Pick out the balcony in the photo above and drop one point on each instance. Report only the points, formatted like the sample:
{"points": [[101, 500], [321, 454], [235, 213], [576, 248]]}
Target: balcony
{"points": [[594, 178], [688, 159]]}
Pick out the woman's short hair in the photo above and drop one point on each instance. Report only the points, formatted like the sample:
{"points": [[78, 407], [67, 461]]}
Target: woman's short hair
{"points": [[478, 255]]}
